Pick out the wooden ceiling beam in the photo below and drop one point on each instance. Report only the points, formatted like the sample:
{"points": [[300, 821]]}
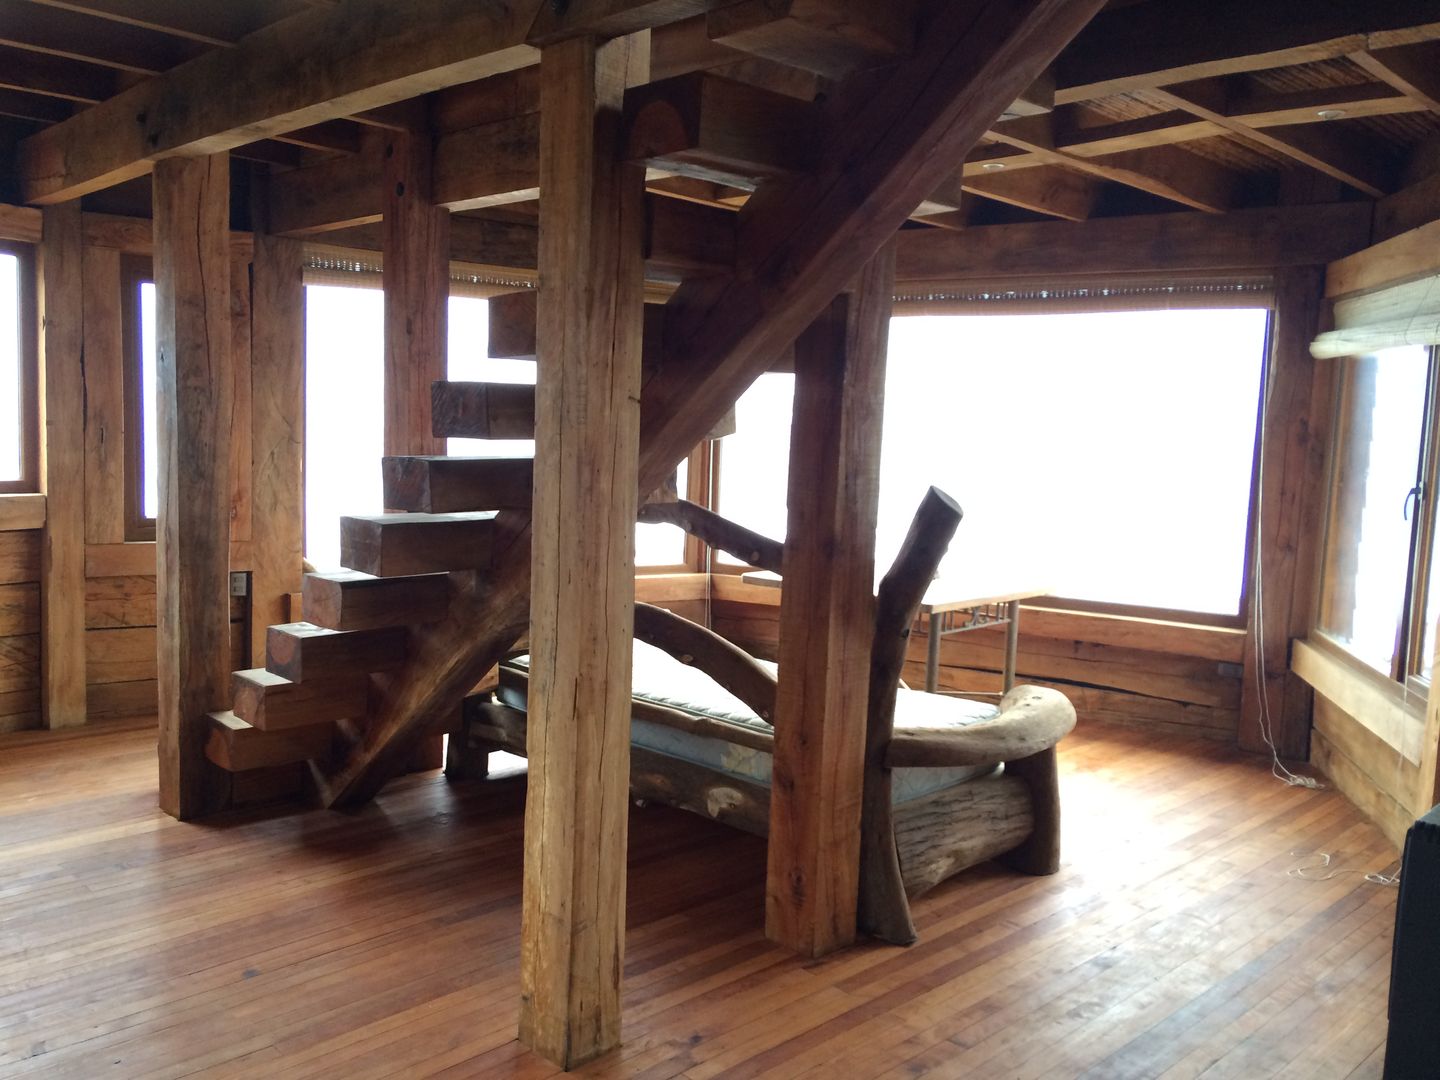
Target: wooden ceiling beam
{"points": [[607, 18], [1148, 45], [357, 55], [26, 106], [802, 240], [1413, 70], [1332, 150], [1051, 190], [1251, 240]]}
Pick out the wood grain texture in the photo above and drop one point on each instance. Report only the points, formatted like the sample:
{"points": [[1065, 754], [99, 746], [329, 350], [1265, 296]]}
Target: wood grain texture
{"points": [[479, 410], [718, 532], [301, 651], [1292, 505], [731, 668], [587, 424], [393, 950], [349, 600], [827, 619], [277, 431], [417, 291], [394, 545], [104, 399], [358, 57], [192, 271], [62, 377], [446, 485]]}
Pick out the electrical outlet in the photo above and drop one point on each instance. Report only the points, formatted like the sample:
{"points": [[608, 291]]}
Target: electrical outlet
{"points": [[239, 583], [1230, 671]]}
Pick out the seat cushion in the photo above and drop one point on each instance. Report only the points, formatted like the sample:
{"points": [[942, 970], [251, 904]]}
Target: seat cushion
{"points": [[662, 680]]}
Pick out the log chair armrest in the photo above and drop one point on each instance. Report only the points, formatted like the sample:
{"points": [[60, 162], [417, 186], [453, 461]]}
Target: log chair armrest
{"points": [[1031, 719]]}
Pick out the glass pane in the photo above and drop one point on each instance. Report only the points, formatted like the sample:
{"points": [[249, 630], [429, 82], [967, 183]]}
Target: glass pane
{"points": [[1104, 456], [1368, 543], [663, 545], [149, 407], [755, 460], [11, 344], [344, 412]]}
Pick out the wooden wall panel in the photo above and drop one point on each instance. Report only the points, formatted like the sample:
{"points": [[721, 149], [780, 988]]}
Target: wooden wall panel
{"points": [[104, 399]]}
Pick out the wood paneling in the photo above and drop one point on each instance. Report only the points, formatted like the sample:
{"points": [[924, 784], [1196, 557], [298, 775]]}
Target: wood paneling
{"points": [[104, 398]]}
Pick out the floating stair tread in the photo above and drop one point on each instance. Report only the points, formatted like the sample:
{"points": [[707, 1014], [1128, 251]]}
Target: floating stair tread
{"points": [[440, 485], [272, 702], [396, 545], [237, 746], [353, 600], [297, 651], [482, 410]]}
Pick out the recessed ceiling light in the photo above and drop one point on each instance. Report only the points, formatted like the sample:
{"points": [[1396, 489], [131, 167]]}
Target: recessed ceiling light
{"points": [[993, 166], [1330, 114]]}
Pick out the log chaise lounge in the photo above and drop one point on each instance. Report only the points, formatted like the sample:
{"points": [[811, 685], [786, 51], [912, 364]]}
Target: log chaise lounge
{"points": [[949, 782]]}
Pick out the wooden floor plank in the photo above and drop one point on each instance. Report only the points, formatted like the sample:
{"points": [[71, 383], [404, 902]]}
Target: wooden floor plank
{"points": [[385, 943]]}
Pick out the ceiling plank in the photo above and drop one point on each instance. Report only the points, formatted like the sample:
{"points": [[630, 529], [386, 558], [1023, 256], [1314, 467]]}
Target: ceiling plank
{"points": [[802, 239], [208, 23], [1149, 45], [607, 18], [1161, 243], [25, 106], [316, 66], [55, 76], [80, 37], [829, 37], [1057, 192]]}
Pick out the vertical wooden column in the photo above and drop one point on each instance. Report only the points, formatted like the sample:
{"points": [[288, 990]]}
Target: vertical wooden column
{"points": [[587, 423], [827, 619], [277, 430], [417, 293], [192, 288], [62, 438], [1288, 529]]}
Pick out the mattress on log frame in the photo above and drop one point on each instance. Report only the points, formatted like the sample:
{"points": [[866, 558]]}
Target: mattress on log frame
{"points": [[660, 679]]}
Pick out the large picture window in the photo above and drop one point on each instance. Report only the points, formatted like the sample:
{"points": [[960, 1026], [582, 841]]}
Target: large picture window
{"points": [[1107, 456], [1379, 596]]}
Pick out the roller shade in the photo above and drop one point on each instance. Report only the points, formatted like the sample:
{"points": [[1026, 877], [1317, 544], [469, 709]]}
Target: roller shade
{"points": [[1406, 314], [1107, 294]]}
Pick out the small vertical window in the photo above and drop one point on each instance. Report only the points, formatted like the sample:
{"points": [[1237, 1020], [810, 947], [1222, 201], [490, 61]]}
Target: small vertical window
{"points": [[18, 401], [142, 464]]}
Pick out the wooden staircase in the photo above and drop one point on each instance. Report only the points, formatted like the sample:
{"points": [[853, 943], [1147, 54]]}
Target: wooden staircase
{"points": [[324, 677]]}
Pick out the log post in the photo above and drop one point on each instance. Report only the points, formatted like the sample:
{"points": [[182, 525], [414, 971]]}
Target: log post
{"points": [[192, 288], [417, 294], [827, 619], [62, 572], [1290, 522], [277, 377], [587, 424]]}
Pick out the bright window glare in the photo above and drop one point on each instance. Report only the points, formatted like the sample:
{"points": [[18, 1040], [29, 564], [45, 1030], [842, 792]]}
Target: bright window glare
{"points": [[755, 460], [344, 412], [468, 343], [1105, 456], [149, 406], [10, 345], [663, 545]]}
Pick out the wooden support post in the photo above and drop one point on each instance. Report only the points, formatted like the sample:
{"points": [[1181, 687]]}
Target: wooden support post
{"points": [[62, 572], [277, 426], [586, 491], [827, 620], [1289, 524], [417, 294], [192, 287]]}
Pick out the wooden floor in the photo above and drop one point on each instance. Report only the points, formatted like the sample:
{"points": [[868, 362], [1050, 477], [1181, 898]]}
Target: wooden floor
{"points": [[384, 943]]}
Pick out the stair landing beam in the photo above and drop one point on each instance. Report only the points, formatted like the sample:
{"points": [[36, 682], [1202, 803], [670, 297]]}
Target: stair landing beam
{"points": [[582, 573]]}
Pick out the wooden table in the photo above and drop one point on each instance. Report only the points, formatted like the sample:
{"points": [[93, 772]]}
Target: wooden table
{"points": [[953, 608]]}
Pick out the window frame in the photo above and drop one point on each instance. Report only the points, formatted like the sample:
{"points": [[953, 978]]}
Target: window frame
{"points": [[1222, 620], [1404, 674], [135, 270], [29, 373]]}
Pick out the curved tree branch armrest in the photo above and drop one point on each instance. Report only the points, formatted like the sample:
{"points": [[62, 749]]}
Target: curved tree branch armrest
{"points": [[692, 644], [745, 544], [1032, 719]]}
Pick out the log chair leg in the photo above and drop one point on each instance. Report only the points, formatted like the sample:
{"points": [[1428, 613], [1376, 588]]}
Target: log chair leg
{"points": [[884, 909], [1040, 854]]}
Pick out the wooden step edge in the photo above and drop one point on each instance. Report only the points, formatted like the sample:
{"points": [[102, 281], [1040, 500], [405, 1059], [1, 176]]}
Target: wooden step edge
{"points": [[236, 746]]}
